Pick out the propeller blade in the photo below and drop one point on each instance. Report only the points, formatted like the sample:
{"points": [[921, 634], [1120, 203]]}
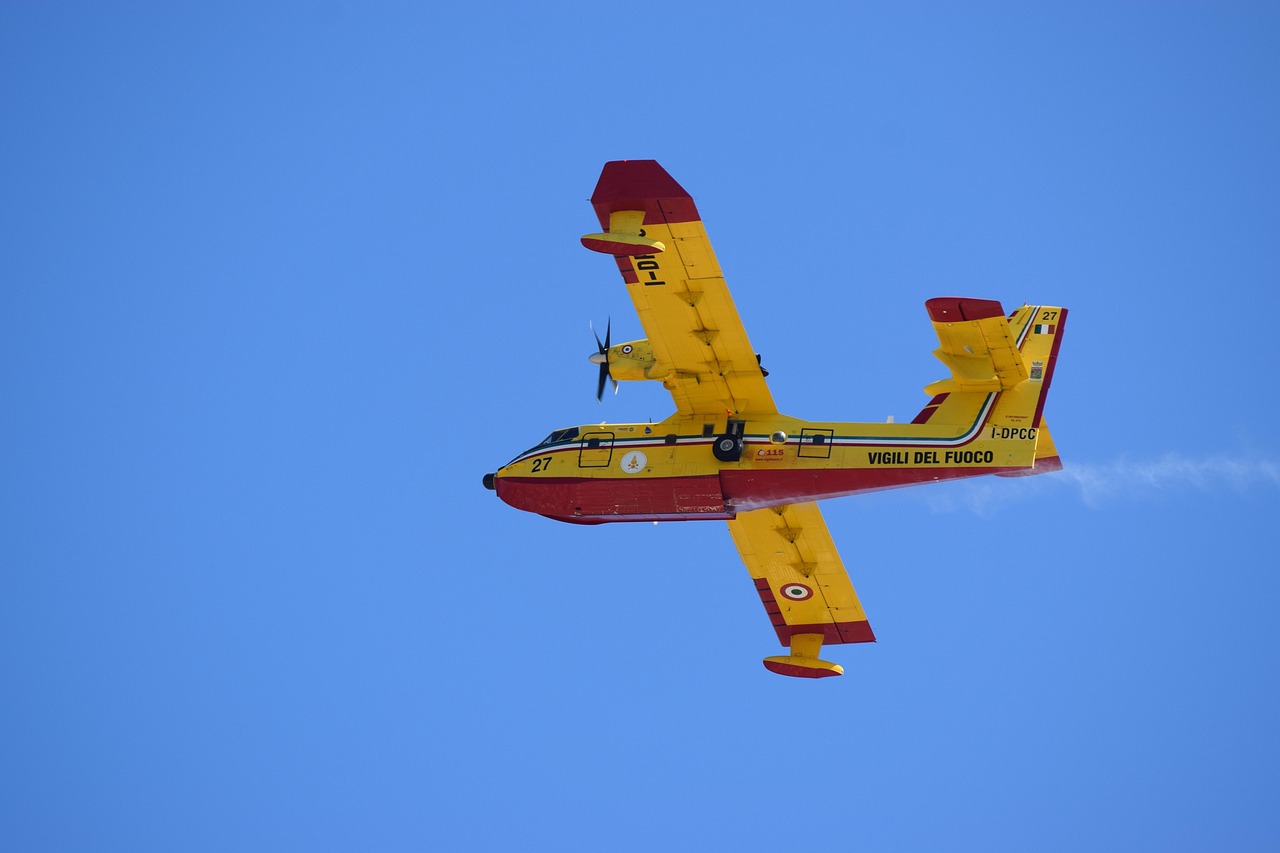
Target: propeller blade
{"points": [[601, 357]]}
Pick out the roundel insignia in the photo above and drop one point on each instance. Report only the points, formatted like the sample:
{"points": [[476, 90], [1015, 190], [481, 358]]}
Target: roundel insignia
{"points": [[796, 591], [626, 350], [633, 462]]}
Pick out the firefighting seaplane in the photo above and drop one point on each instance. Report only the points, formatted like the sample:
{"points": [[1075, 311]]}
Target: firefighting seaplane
{"points": [[727, 454]]}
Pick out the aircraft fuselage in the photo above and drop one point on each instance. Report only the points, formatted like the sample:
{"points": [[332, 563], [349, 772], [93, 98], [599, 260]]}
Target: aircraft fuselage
{"points": [[685, 469]]}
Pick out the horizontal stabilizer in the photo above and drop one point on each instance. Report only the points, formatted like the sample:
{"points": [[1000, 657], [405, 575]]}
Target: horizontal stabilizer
{"points": [[977, 345]]}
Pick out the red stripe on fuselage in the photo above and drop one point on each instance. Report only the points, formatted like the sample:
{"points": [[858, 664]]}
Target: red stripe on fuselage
{"points": [[608, 499], [748, 490], [601, 499]]}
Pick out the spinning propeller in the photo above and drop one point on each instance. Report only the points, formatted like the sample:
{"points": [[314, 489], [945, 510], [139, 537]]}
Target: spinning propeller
{"points": [[601, 357]]}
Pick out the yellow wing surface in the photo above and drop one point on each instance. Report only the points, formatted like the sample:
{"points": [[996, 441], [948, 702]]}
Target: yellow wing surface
{"points": [[654, 231], [803, 584]]}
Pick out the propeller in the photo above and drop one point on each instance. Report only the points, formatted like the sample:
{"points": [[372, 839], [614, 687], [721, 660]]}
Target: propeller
{"points": [[601, 357]]}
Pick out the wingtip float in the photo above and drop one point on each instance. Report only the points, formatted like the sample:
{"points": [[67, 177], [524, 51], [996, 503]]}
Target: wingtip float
{"points": [[728, 454]]}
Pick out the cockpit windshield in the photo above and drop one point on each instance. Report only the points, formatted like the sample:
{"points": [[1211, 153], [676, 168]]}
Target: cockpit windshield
{"points": [[554, 438], [559, 436]]}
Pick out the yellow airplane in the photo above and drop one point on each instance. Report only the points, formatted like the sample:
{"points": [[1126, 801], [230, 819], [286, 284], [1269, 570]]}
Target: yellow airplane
{"points": [[728, 454]]}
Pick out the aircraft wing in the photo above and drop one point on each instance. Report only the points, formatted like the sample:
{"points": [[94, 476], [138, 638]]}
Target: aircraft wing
{"points": [[799, 575], [655, 234]]}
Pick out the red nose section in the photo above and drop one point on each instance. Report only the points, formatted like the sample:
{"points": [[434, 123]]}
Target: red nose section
{"points": [[592, 500]]}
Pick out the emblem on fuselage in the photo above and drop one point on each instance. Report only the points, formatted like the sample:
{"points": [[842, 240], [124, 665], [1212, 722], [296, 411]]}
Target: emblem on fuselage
{"points": [[633, 462]]}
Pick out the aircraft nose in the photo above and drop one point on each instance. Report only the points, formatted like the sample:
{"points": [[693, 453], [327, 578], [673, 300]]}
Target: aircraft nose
{"points": [[598, 358], [488, 482]]}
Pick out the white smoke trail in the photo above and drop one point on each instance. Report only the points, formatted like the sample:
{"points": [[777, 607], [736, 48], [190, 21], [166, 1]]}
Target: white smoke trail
{"points": [[1124, 478], [1120, 480]]}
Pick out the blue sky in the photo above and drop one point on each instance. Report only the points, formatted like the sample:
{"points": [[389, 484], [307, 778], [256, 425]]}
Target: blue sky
{"points": [[281, 281]]}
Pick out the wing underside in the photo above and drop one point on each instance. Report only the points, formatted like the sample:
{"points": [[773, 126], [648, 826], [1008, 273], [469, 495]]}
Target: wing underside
{"points": [[803, 584], [654, 231]]}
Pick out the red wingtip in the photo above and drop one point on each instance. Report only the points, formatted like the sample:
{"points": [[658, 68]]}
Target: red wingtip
{"points": [[641, 185], [953, 309]]}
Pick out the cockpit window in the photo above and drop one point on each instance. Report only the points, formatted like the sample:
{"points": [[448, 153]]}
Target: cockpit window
{"points": [[559, 436]]}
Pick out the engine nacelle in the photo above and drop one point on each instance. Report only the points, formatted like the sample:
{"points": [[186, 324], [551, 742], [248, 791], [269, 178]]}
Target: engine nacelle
{"points": [[631, 361]]}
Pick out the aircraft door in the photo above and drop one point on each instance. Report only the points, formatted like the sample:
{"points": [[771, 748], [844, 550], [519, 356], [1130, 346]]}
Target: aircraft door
{"points": [[595, 450]]}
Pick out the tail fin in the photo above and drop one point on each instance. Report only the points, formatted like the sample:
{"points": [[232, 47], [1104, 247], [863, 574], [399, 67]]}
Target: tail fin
{"points": [[1001, 369]]}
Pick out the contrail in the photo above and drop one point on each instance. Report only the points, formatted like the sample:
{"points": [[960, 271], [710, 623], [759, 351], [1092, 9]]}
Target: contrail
{"points": [[1120, 480]]}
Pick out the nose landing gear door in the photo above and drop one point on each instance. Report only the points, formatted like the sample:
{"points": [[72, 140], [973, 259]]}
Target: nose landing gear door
{"points": [[595, 450]]}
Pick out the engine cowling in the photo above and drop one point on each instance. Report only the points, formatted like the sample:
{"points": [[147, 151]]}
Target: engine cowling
{"points": [[631, 361]]}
